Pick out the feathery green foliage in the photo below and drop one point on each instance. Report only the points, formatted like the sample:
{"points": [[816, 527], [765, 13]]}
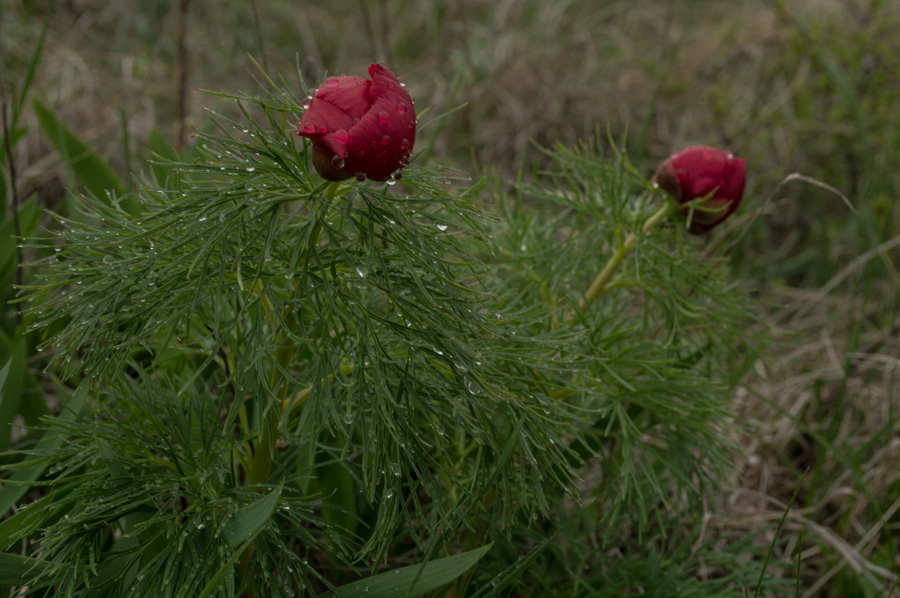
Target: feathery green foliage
{"points": [[295, 382]]}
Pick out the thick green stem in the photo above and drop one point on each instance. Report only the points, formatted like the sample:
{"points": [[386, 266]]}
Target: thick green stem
{"points": [[600, 283]]}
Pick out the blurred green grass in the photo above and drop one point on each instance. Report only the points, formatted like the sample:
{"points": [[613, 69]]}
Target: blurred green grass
{"points": [[793, 86]]}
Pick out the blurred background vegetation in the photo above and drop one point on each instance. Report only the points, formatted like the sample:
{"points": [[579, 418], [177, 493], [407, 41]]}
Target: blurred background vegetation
{"points": [[793, 86]]}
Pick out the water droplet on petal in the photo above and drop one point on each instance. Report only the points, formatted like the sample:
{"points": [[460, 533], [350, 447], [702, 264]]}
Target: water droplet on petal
{"points": [[360, 176], [402, 108], [385, 140], [307, 102], [309, 128], [337, 161], [384, 116], [342, 136], [332, 82]]}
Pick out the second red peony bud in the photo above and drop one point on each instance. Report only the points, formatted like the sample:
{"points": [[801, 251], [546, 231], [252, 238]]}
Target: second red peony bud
{"points": [[704, 171], [360, 127]]}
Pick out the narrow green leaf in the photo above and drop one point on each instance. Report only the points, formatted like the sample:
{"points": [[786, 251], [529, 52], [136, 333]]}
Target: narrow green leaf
{"points": [[11, 380], [2, 193], [29, 214], [402, 582], [336, 484], [240, 531], [10, 494], [247, 522], [27, 521], [161, 149], [90, 169], [16, 570]]}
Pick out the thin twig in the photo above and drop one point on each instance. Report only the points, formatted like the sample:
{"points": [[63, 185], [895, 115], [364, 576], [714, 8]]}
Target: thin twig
{"points": [[15, 195], [182, 74], [259, 37]]}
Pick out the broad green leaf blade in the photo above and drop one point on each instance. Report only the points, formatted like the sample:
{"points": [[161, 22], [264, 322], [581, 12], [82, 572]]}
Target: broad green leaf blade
{"points": [[16, 570], [27, 521], [247, 522], [91, 170], [240, 531], [399, 582]]}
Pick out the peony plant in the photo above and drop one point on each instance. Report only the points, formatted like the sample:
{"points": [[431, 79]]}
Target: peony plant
{"points": [[339, 387]]}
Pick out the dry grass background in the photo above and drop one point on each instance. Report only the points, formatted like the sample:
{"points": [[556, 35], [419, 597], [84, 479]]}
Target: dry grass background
{"points": [[728, 73]]}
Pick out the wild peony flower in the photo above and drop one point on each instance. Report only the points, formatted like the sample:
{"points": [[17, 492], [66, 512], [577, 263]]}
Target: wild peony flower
{"points": [[703, 171], [359, 127]]}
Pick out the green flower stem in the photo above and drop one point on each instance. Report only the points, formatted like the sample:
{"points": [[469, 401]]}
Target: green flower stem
{"points": [[601, 283], [331, 190], [261, 463]]}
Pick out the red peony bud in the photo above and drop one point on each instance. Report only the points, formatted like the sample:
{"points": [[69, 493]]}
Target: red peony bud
{"points": [[702, 171], [359, 127]]}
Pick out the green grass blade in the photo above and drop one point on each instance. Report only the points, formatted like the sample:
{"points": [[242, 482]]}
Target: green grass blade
{"points": [[402, 582], [89, 168]]}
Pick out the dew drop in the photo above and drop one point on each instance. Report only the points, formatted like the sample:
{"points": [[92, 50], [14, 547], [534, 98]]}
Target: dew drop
{"points": [[337, 161], [348, 419], [342, 136], [251, 168], [332, 82], [383, 116], [442, 227], [307, 102], [309, 128], [402, 108], [385, 140], [361, 272], [360, 176]]}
